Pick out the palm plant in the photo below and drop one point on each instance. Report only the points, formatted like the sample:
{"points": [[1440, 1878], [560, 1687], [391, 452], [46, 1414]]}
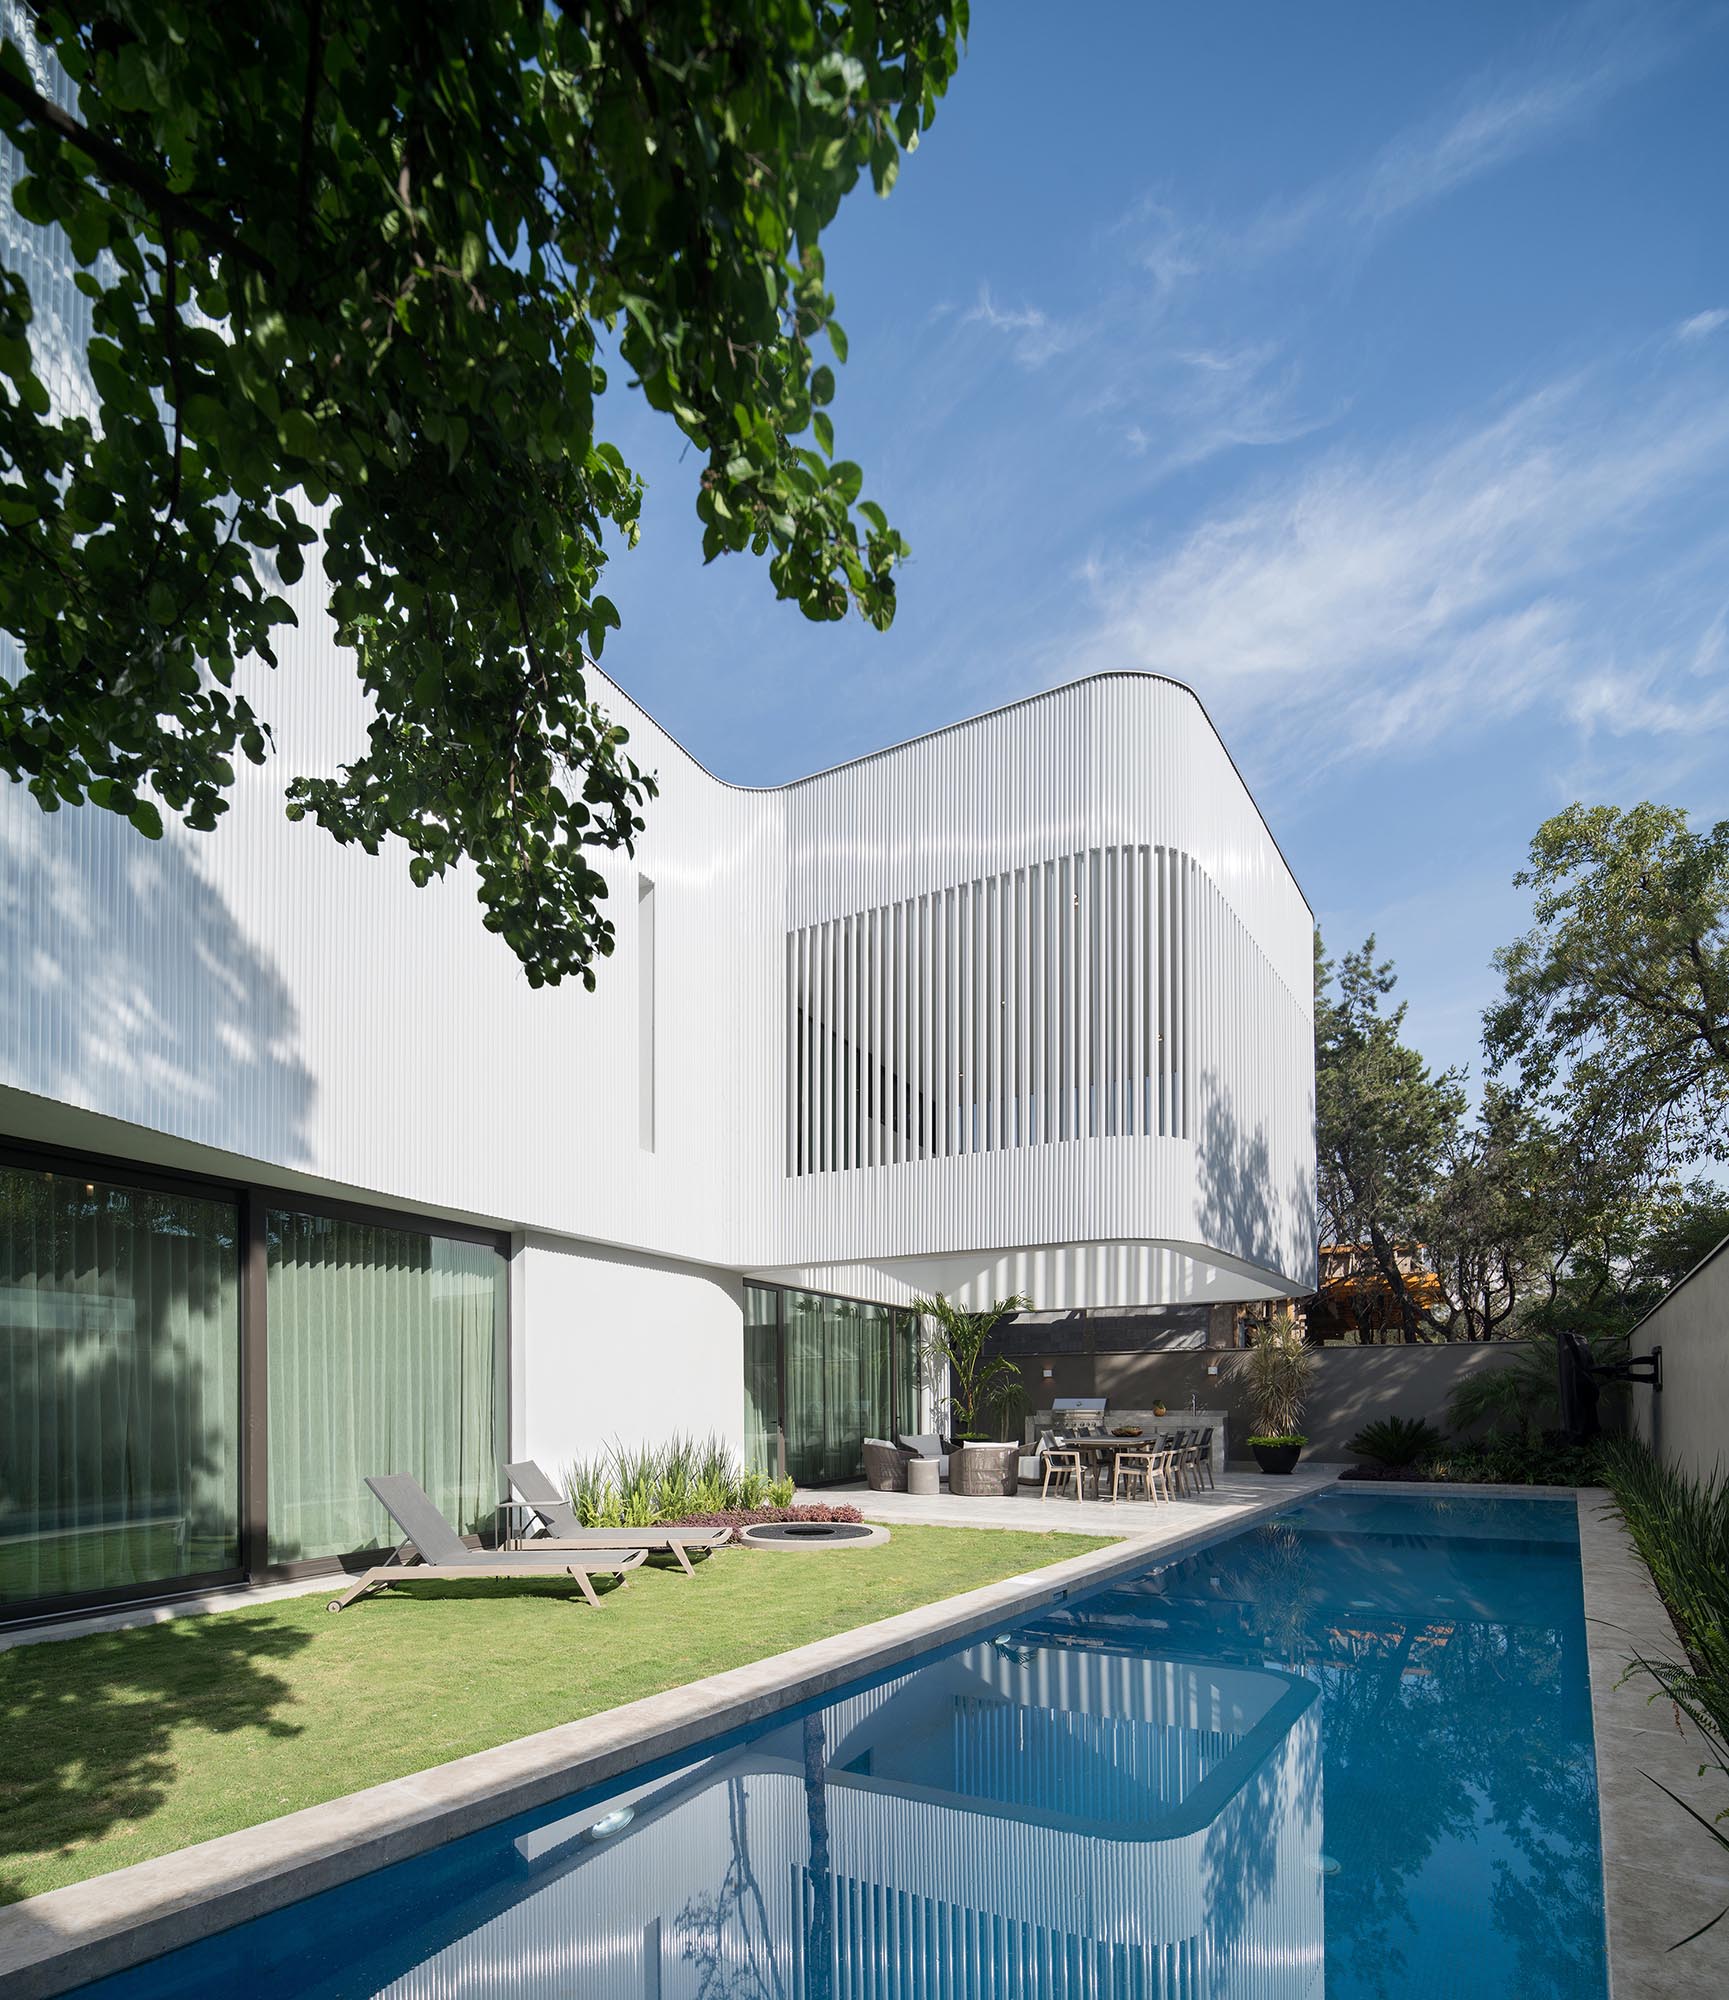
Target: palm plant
{"points": [[1279, 1367], [1397, 1441], [979, 1386], [1517, 1394]]}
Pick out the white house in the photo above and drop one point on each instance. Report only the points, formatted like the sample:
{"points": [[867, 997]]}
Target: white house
{"points": [[1022, 1005], [300, 1180]]}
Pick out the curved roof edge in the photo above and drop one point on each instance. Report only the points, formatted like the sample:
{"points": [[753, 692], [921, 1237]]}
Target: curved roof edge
{"points": [[966, 722]]}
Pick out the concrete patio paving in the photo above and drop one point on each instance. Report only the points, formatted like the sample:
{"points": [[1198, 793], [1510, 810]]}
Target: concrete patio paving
{"points": [[1154, 1522]]}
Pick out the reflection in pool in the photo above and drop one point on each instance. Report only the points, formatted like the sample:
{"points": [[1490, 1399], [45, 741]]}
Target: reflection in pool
{"points": [[1345, 1753]]}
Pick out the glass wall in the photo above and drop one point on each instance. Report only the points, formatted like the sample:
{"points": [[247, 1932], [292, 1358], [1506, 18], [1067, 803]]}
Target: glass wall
{"points": [[119, 1386], [906, 1348], [762, 1379], [387, 1352], [843, 1370]]}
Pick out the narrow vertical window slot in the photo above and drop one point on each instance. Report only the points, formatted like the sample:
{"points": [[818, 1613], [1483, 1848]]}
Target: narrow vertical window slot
{"points": [[645, 1013]]}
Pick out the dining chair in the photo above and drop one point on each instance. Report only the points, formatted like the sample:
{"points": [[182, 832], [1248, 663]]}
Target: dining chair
{"points": [[1130, 1467], [1162, 1467], [1062, 1463], [1202, 1449]]}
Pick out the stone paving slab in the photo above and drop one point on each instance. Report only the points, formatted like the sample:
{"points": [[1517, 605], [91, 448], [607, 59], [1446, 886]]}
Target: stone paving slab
{"points": [[1153, 1521], [54, 1942], [1663, 1875]]}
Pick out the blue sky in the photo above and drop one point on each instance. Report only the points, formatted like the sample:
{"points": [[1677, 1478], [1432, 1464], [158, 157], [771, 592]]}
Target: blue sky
{"points": [[1366, 367]]}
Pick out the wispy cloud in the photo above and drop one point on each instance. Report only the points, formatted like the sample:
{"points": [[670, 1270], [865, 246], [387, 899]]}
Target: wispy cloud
{"points": [[1034, 337], [1206, 400], [1702, 325], [1375, 601], [1542, 94]]}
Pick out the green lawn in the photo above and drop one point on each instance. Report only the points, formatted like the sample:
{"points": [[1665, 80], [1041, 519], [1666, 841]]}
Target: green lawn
{"points": [[132, 1744]]}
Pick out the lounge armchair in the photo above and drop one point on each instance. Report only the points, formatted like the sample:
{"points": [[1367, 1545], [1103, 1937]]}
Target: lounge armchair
{"points": [[444, 1555], [885, 1465], [564, 1531]]}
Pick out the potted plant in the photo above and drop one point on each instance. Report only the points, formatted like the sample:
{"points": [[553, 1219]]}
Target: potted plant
{"points": [[981, 1388], [1279, 1366], [1158, 1409]]}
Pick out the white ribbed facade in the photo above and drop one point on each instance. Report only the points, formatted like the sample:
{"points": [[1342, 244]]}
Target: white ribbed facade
{"points": [[1022, 1005]]}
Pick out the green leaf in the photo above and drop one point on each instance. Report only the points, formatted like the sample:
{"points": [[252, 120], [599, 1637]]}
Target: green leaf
{"points": [[146, 819], [410, 341]]}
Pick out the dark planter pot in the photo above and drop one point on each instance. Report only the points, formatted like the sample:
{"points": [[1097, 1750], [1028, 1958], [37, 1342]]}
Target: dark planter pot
{"points": [[1277, 1457]]}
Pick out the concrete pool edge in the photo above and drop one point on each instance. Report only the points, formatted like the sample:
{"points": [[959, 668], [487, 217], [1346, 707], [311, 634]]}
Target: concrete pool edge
{"points": [[1662, 1876], [65, 1938]]}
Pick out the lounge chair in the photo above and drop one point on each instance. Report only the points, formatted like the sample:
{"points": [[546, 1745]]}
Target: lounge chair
{"points": [[564, 1531], [444, 1554]]}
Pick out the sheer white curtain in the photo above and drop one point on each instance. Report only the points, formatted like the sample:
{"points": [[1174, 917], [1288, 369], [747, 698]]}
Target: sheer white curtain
{"points": [[119, 1385], [386, 1355]]}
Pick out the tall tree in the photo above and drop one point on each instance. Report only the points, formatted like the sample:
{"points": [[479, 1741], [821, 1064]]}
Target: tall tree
{"points": [[1491, 1221], [364, 256], [1617, 999], [1384, 1122]]}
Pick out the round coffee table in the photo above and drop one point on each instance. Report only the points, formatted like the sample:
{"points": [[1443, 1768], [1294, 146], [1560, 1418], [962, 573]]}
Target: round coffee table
{"points": [[922, 1476]]}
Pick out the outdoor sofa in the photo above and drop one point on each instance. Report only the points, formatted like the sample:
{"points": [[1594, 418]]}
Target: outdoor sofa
{"points": [[927, 1445]]}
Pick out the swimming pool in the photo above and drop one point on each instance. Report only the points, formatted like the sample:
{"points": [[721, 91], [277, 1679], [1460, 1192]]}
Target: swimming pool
{"points": [[1345, 1752]]}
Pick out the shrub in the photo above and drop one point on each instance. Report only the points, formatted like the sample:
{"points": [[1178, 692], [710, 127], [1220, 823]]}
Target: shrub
{"points": [[1547, 1461], [1681, 1528], [736, 1518], [640, 1486], [1397, 1441]]}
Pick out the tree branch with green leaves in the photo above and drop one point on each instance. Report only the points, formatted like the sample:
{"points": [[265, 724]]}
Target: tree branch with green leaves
{"points": [[1618, 996], [352, 272]]}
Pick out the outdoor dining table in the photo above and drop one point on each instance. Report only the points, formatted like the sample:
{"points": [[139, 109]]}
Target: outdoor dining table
{"points": [[1102, 1450]]}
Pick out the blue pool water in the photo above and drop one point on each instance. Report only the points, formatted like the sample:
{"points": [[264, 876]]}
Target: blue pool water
{"points": [[1345, 1753]]}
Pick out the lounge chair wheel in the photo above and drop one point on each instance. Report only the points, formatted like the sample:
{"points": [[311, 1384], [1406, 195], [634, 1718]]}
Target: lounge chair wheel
{"points": [[335, 1604]]}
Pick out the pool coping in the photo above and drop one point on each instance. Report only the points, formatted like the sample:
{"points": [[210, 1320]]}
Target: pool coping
{"points": [[1662, 1877], [64, 1938]]}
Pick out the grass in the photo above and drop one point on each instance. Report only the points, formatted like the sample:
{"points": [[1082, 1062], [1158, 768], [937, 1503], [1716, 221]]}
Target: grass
{"points": [[126, 1745]]}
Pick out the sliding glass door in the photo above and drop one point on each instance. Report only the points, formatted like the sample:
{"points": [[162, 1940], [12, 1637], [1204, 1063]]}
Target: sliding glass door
{"points": [[119, 1386], [387, 1350], [762, 1379], [851, 1375], [164, 1423]]}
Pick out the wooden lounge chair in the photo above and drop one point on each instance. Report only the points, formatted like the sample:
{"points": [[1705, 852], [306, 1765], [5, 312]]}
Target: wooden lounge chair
{"points": [[564, 1531], [443, 1554]]}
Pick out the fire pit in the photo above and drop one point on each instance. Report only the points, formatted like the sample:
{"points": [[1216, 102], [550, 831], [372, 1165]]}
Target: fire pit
{"points": [[813, 1535]]}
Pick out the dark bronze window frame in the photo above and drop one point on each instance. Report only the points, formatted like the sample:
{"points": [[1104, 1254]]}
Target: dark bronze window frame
{"points": [[253, 1201], [840, 1298]]}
